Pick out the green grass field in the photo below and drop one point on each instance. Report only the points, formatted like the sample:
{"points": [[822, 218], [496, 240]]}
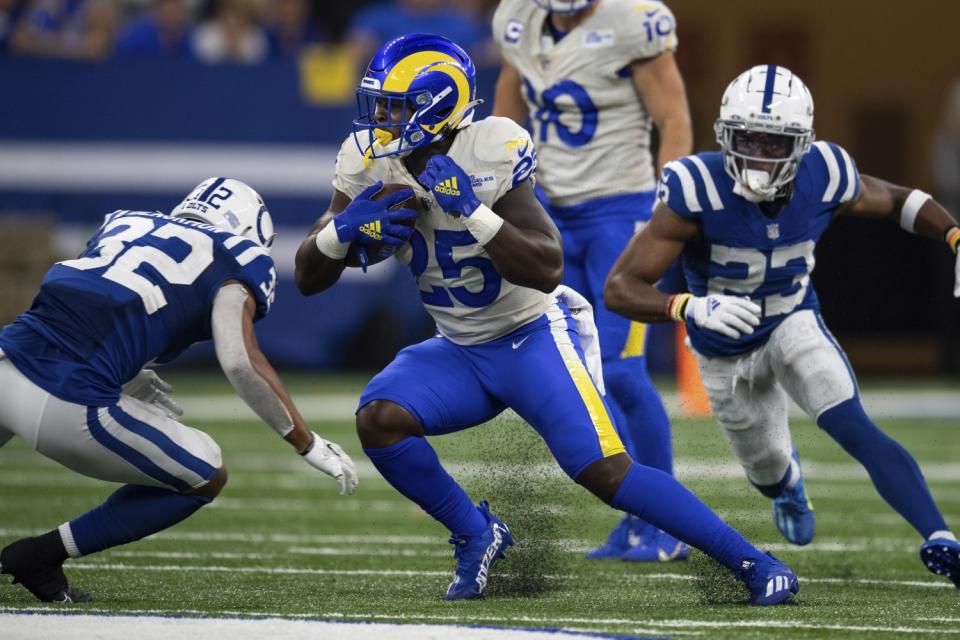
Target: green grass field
{"points": [[280, 542]]}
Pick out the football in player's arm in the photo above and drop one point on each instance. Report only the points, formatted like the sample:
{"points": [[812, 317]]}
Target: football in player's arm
{"points": [[516, 232]]}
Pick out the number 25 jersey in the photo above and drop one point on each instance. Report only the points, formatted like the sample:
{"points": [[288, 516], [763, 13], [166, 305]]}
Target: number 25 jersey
{"points": [[591, 129], [742, 252], [459, 285], [141, 292]]}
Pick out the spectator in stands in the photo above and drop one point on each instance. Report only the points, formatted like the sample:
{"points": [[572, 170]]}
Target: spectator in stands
{"points": [[10, 11], [946, 152], [160, 32], [234, 34], [378, 23], [292, 27], [74, 29]]}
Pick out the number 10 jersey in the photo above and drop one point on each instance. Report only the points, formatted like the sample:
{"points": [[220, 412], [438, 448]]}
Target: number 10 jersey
{"points": [[141, 292], [590, 127]]}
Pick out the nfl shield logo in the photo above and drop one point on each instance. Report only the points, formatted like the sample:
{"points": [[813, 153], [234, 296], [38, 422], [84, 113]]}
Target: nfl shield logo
{"points": [[773, 231]]}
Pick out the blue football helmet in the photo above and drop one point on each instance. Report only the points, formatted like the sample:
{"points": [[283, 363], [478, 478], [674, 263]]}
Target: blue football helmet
{"points": [[564, 6], [416, 90]]}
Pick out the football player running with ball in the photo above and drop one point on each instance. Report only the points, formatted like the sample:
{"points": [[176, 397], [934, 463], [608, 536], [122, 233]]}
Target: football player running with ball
{"points": [[746, 221], [73, 381], [594, 76], [487, 260]]}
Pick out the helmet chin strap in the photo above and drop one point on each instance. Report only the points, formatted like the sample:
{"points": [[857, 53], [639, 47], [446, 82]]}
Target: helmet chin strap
{"points": [[754, 185]]}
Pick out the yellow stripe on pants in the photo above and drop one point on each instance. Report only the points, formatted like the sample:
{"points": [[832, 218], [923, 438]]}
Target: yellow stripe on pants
{"points": [[606, 433]]}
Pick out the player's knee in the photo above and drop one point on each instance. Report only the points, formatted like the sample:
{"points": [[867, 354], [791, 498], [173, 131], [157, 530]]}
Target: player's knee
{"points": [[214, 486], [604, 477], [382, 423]]}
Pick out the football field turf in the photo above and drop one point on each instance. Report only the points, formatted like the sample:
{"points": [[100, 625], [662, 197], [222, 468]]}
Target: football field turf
{"points": [[279, 541]]}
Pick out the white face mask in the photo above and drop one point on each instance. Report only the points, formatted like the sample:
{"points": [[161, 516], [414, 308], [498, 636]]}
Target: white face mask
{"points": [[754, 185]]}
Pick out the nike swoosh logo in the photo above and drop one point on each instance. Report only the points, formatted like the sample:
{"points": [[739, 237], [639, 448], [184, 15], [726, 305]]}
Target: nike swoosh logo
{"points": [[519, 343]]}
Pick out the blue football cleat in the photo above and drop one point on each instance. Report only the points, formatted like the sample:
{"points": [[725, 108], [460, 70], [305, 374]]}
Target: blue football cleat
{"points": [[658, 546], [475, 556], [793, 512], [628, 533], [942, 557], [769, 580]]}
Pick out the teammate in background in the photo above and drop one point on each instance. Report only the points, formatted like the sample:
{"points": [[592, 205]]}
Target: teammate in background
{"points": [[487, 260], [746, 221], [594, 76], [74, 386]]}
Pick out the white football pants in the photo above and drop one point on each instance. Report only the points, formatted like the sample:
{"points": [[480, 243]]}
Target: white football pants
{"points": [[748, 393], [131, 442]]}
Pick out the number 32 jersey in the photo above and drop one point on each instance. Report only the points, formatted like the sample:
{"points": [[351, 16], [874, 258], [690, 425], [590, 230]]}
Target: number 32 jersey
{"points": [[742, 252], [141, 292], [591, 129], [459, 286]]}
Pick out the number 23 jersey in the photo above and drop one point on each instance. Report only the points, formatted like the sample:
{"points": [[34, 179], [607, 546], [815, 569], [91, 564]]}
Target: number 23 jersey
{"points": [[141, 292], [591, 129], [742, 252], [459, 286]]}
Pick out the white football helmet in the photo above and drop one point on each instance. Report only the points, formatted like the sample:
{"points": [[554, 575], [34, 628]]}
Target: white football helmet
{"points": [[231, 205], [766, 118], [564, 6]]}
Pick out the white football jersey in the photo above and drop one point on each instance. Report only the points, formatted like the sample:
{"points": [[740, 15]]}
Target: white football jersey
{"points": [[459, 285], [591, 130]]}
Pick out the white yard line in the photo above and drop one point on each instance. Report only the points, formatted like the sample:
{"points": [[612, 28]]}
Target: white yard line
{"points": [[147, 624], [283, 471], [881, 404], [119, 566]]}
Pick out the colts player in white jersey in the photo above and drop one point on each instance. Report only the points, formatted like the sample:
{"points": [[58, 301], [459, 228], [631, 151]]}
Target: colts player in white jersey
{"points": [[74, 386], [487, 260], [746, 221], [594, 76]]}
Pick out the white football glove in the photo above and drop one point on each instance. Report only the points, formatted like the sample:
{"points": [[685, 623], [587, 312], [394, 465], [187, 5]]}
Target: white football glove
{"points": [[956, 281], [332, 460], [152, 389], [729, 315]]}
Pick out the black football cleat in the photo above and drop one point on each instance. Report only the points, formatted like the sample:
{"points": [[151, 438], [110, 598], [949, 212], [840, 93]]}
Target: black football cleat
{"points": [[45, 580]]}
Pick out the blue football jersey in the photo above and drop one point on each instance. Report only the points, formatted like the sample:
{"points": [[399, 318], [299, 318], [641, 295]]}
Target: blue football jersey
{"points": [[141, 292], [741, 251]]}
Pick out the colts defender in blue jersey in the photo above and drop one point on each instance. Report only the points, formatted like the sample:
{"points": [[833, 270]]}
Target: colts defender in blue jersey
{"points": [[746, 221], [594, 78], [487, 260], [74, 386]]}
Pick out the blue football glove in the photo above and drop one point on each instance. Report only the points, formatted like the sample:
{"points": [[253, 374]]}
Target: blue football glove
{"points": [[368, 222], [450, 185]]}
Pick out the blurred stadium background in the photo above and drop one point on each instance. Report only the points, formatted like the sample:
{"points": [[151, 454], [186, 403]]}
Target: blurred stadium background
{"points": [[128, 103]]}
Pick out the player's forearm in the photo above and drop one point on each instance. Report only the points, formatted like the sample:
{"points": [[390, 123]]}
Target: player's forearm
{"points": [[933, 221], [631, 296], [527, 257], [267, 385], [248, 370], [676, 138], [314, 270]]}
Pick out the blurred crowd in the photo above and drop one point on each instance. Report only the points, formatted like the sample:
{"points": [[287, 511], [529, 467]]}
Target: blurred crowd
{"points": [[231, 31]]}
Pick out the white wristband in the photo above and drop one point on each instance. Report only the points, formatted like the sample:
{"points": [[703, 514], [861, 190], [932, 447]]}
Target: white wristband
{"points": [[483, 224], [911, 206], [329, 244]]}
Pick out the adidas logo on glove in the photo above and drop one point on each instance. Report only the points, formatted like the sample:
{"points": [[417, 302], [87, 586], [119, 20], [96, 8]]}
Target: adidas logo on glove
{"points": [[371, 229], [448, 187]]}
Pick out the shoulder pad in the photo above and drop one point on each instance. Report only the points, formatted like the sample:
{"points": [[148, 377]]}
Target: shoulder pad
{"points": [[646, 28], [833, 173], [690, 185]]}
